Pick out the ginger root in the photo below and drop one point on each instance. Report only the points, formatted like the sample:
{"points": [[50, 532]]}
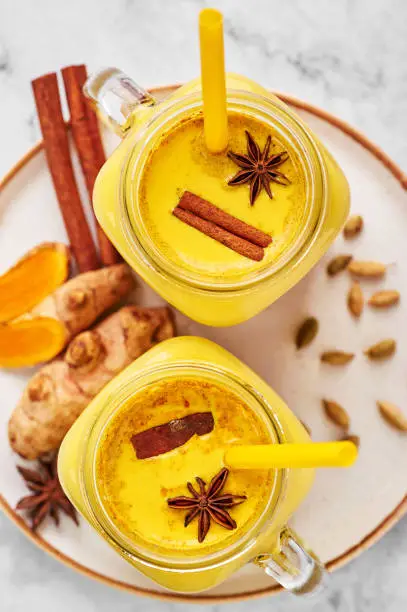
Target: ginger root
{"points": [[80, 301], [28, 342], [59, 392], [32, 278]]}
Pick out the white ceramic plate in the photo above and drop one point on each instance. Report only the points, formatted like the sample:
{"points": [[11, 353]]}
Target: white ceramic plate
{"points": [[347, 510]]}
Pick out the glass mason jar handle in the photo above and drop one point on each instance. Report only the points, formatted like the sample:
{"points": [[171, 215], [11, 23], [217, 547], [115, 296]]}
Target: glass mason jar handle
{"points": [[295, 568], [115, 97]]}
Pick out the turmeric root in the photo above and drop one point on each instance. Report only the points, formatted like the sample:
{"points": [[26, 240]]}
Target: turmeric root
{"points": [[32, 278], [28, 342], [59, 392]]}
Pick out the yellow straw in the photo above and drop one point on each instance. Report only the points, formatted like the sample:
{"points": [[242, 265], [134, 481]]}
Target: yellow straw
{"points": [[278, 456], [213, 80]]}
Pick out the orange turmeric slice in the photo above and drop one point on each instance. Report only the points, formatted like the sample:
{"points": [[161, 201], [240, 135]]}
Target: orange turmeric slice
{"points": [[32, 278], [28, 342]]}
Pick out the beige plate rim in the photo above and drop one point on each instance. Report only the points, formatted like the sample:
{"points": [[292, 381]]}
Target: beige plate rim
{"points": [[391, 519]]}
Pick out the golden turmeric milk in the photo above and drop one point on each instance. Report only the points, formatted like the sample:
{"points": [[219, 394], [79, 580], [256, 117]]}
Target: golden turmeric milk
{"points": [[180, 162], [135, 491]]}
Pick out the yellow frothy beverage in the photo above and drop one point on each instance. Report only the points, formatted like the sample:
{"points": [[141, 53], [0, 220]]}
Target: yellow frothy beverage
{"points": [[180, 162], [122, 487], [134, 491], [163, 156]]}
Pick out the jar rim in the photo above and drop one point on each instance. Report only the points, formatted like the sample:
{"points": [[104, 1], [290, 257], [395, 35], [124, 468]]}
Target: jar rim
{"points": [[154, 374], [313, 166]]}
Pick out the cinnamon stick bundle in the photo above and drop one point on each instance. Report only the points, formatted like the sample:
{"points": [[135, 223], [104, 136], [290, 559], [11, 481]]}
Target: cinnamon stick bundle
{"points": [[210, 212], [237, 244], [56, 145], [215, 223], [86, 135]]}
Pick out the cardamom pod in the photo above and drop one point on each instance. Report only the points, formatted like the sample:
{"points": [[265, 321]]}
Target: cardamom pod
{"points": [[381, 350], [367, 269], [336, 413], [336, 357], [337, 264], [353, 226], [384, 299], [393, 415], [306, 332], [355, 299], [352, 438]]}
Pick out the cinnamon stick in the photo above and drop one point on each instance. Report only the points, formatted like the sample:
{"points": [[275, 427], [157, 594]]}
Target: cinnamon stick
{"points": [[56, 145], [86, 135], [237, 244], [204, 209], [164, 438]]}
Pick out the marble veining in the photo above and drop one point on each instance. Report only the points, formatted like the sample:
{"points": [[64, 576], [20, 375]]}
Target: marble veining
{"points": [[4, 61], [347, 56]]}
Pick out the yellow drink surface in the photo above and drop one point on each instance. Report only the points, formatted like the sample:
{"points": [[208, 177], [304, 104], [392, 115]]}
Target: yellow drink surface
{"points": [[180, 162], [134, 491]]}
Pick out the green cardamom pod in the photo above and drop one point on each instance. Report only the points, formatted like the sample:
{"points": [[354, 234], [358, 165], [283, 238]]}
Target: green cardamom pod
{"points": [[381, 350], [306, 332], [337, 264], [336, 357], [367, 269], [353, 226], [336, 413], [384, 299], [393, 415], [356, 300]]}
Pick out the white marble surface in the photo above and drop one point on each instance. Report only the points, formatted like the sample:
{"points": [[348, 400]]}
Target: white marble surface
{"points": [[347, 56]]}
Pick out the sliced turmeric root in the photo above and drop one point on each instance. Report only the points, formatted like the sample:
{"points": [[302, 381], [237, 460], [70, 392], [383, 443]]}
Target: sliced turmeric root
{"points": [[32, 278], [69, 310], [30, 341]]}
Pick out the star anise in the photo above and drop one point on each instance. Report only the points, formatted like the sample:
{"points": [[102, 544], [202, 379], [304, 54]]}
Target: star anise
{"points": [[258, 168], [207, 504], [47, 498]]}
